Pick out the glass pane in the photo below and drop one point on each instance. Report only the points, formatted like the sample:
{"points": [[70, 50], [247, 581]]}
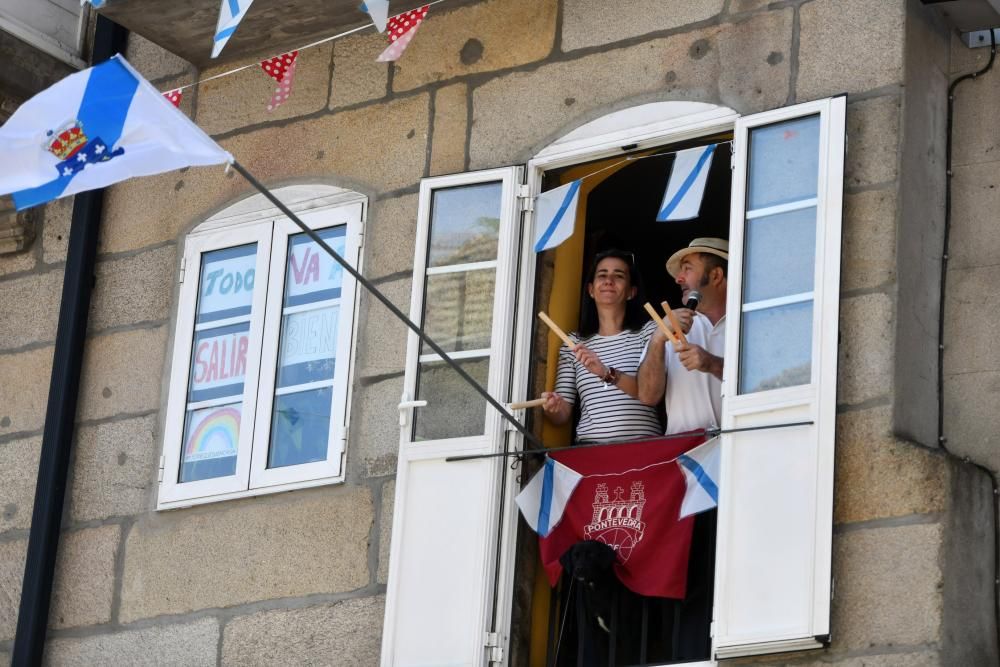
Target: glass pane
{"points": [[784, 162], [458, 314], [219, 362], [227, 282], [311, 274], [454, 409], [308, 346], [465, 224], [780, 255], [300, 429], [776, 347], [211, 442]]}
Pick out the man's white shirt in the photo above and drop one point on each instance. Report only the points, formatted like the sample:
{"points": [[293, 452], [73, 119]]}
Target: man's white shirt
{"points": [[694, 398]]}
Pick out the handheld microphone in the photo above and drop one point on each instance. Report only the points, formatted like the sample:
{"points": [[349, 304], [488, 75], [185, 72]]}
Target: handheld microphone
{"points": [[694, 297]]}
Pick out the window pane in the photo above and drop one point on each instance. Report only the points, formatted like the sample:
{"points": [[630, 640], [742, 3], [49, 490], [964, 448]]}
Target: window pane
{"points": [[308, 346], [776, 347], [311, 274], [211, 441], [780, 255], [219, 362], [465, 222], [300, 429], [454, 409], [227, 283], [784, 162], [458, 313]]}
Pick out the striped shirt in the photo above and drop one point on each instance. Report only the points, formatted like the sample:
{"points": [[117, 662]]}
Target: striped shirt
{"points": [[607, 414]]}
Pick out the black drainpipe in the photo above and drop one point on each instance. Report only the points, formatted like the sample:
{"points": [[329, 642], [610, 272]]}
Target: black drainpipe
{"points": [[64, 389], [942, 296]]}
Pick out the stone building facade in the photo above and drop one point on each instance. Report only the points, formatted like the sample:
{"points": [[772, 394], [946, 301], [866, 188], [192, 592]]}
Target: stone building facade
{"points": [[301, 577]]}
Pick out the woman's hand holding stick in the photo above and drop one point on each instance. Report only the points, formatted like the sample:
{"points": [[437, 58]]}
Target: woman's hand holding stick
{"points": [[555, 329]]}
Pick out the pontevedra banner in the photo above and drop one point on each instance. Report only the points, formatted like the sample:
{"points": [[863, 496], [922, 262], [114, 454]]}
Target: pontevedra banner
{"points": [[629, 497]]}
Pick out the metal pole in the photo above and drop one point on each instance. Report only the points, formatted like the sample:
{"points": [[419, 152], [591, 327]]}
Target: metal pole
{"points": [[374, 291], [60, 412]]}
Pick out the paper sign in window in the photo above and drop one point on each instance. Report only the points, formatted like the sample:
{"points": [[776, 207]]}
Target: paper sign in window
{"points": [[227, 283]]}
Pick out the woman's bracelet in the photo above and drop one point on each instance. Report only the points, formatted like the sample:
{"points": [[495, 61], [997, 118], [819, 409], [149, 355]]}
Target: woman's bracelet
{"points": [[611, 377]]}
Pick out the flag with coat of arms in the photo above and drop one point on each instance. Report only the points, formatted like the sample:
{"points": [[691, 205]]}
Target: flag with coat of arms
{"points": [[628, 496], [92, 129]]}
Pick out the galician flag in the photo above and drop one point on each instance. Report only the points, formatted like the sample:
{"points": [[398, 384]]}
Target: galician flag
{"points": [[543, 500], [94, 128], [686, 187], [230, 14], [555, 215], [701, 475]]}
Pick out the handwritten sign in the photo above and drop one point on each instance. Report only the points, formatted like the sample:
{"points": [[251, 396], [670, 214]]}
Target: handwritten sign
{"points": [[227, 283], [219, 362], [312, 274]]}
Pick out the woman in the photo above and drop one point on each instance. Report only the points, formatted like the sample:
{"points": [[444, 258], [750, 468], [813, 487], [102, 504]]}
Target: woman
{"points": [[600, 373]]}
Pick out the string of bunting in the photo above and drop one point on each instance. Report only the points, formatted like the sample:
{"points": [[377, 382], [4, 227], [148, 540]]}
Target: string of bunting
{"points": [[400, 30]]}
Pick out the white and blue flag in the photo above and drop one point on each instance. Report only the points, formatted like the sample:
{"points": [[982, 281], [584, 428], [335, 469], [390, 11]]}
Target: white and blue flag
{"points": [[96, 3], [378, 10], [94, 128], [701, 474], [544, 499], [686, 186], [230, 15], [555, 215]]}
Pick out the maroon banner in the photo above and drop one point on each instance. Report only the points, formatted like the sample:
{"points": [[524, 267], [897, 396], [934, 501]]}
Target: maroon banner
{"points": [[630, 499]]}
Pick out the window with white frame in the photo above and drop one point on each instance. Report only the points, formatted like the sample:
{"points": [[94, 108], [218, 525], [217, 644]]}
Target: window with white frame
{"points": [[262, 355], [773, 559]]}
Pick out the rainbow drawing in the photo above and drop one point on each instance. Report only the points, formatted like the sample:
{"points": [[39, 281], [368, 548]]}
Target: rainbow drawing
{"points": [[214, 436]]}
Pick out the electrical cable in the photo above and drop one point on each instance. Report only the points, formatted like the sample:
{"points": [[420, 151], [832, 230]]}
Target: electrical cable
{"points": [[942, 440]]}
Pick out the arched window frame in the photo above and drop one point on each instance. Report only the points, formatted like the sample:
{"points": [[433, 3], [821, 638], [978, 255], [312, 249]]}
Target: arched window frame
{"points": [[254, 222]]}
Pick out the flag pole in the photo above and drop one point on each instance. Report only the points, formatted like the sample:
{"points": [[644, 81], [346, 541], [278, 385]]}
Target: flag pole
{"points": [[374, 291], [707, 432]]}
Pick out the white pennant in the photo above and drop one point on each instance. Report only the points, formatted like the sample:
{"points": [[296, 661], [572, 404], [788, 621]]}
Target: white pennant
{"points": [[378, 10]]}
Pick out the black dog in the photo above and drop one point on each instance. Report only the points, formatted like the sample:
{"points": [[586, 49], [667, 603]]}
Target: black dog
{"points": [[589, 564]]}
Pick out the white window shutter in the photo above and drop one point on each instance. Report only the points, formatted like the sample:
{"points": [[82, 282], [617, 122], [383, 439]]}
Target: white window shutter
{"points": [[445, 518], [776, 496]]}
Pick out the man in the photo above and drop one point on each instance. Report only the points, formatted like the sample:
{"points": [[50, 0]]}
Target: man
{"points": [[690, 378]]}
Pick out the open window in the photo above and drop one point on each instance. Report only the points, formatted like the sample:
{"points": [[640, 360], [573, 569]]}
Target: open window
{"points": [[461, 589], [262, 357]]}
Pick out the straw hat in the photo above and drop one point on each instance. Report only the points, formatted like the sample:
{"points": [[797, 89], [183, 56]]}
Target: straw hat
{"points": [[712, 246]]}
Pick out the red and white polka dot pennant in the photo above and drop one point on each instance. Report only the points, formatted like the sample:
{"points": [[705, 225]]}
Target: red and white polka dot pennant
{"points": [[282, 70], [174, 96], [400, 30]]}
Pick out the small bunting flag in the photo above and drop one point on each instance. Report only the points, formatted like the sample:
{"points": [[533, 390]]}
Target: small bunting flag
{"points": [[230, 14], [174, 97], [281, 69], [378, 10], [686, 186], [401, 29], [96, 3]]}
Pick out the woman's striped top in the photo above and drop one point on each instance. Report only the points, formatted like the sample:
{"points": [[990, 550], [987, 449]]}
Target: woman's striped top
{"points": [[607, 414]]}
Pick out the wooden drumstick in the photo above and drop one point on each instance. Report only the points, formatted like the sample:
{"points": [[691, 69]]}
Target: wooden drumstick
{"points": [[555, 328], [660, 323], [520, 405], [674, 322]]}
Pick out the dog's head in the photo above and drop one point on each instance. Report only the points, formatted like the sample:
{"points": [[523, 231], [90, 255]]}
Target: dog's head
{"points": [[588, 561]]}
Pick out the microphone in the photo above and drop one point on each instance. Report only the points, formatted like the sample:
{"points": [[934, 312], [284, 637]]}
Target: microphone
{"points": [[694, 297]]}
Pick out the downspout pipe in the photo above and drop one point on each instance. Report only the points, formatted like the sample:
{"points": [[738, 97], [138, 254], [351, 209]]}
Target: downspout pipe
{"points": [[64, 391]]}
